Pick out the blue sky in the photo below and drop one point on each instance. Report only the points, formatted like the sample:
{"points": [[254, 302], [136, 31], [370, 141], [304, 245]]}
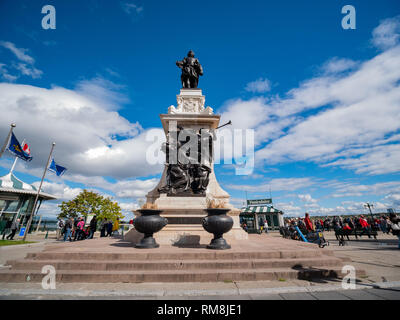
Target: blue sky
{"points": [[323, 101]]}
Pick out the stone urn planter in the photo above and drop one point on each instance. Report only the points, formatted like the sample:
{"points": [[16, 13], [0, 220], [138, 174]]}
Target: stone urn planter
{"points": [[218, 222], [149, 223]]}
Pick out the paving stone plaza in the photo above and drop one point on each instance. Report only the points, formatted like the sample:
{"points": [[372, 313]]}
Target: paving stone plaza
{"points": [[378, 259]]}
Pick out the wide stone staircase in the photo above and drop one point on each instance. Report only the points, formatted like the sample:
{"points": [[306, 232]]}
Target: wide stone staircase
{"points": [[74, 263]]}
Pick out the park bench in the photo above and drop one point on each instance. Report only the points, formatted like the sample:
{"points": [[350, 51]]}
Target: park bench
{"points": [[340, 233]]}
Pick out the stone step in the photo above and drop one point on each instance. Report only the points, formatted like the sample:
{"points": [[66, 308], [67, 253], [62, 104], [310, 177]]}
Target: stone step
{"points": [[211, 255], [95, 276], [113, 265]]}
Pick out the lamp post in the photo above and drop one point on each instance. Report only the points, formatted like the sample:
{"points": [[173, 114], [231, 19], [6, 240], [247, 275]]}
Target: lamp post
{"points": [[369, 206]]}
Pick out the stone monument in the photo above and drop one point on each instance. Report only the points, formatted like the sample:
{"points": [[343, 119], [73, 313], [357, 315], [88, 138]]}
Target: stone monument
{"points": [[188, 181]]}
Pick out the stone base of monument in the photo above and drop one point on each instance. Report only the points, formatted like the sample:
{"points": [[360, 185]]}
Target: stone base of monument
{"points": [[106, 260], [181, 235], [185, 224]]}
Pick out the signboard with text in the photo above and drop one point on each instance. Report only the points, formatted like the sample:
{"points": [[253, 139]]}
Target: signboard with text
{"points": [[259, 202]]}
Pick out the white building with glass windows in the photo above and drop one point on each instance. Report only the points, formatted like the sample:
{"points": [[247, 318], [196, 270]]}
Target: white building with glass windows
{"points": [[17, 199]]}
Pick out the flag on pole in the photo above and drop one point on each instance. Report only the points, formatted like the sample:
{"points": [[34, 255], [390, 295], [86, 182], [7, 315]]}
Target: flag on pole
{"points": [[15, 148], [57, 169], [26, 149]]}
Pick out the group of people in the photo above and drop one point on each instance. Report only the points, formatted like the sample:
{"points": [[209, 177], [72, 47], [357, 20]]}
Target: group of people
{"points": [[75, 229], [107, 227], [386, 224], [263, 226]]}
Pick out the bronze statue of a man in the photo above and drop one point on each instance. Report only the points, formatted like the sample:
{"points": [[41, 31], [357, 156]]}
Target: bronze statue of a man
{"points": [[191, 70]]}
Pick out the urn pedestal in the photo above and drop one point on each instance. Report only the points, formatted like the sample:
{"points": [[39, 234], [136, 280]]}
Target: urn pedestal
{"points": [[218, 222], [149, 223]]}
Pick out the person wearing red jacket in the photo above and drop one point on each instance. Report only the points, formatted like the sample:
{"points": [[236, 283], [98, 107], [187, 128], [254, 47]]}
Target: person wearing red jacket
{"points": [[308, 223], [346, 227], [365, 226]]}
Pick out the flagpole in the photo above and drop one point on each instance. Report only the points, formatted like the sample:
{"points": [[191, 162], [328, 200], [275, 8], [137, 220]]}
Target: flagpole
{"points": [[38, 192], [13, 125], [16, 158]]}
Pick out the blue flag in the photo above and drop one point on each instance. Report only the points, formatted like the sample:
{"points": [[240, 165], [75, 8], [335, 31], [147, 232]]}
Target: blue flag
{"points": [[58, 170], [15, 148]]}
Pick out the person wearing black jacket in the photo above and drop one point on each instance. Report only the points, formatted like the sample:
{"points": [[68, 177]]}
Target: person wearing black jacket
{"points": [[395, 225], [7, 228], [93, 226]]}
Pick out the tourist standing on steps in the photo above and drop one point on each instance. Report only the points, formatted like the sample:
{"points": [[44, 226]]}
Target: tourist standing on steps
{"points": [[14, 228]]}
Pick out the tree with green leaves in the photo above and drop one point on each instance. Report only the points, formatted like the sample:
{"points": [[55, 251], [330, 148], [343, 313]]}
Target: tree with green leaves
{"points": [[88, 202]]}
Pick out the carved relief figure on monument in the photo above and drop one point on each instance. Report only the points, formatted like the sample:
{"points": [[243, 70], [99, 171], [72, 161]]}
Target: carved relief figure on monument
{"points": [[190, 176]]}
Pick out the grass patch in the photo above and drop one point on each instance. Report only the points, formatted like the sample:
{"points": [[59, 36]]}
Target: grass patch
{"points": [[281, 279], [14, 242], [228, 281], [364, 277]]}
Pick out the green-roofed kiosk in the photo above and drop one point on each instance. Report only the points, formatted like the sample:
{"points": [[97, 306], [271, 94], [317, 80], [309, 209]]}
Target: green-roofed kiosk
{"points": [[16, 200], [254, 217]]}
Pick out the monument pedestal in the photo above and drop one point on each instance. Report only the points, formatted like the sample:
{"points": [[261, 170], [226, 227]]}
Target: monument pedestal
{"points": [[185, 213]]}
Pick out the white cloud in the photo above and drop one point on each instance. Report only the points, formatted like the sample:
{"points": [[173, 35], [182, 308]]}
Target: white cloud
{"points": [[289, 209], [90, 139], [19, 52], [393, 199], [349, 119], [282, 184], [130, 8], [387, 34], [259, 86], [25, 66], [336, 65], [5, 74], [357, 190], [29, 70], [59, 190], [307, 198]]}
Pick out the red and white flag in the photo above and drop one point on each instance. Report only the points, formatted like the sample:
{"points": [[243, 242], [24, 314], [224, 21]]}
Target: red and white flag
{"points": [[26, 149]]}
